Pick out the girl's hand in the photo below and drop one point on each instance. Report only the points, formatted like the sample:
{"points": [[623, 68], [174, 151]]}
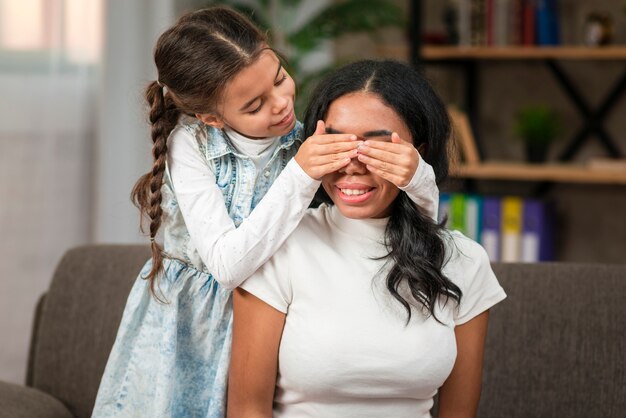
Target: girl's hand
{"points": [[395, 161], [324, 153]]}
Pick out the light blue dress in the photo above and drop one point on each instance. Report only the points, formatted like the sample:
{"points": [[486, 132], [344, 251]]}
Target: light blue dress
{"points": [[171, 359]]}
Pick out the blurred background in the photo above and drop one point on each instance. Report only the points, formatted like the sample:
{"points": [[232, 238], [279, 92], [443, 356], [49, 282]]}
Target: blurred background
{"points": [[74, 137]]}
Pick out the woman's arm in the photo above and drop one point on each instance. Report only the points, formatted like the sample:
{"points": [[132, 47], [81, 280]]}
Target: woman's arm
{"points": [[460, 393], [257, 329]]}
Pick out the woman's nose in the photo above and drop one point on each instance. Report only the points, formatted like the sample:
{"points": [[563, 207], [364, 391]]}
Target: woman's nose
{"points": [[354, 167]]}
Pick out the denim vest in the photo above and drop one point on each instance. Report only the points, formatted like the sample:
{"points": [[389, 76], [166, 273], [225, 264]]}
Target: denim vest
{"points": [[236, 177]]}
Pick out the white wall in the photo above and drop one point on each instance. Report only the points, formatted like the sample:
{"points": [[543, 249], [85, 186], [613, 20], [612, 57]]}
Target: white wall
{"points": [[72, 144], [123, 143]]}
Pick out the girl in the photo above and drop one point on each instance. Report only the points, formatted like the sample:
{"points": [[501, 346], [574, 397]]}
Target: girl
{"points": [[401, 311], [224, 131]]}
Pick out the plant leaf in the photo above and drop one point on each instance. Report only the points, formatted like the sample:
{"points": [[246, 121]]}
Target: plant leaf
{"points": [[255, 13], [346, 17]]}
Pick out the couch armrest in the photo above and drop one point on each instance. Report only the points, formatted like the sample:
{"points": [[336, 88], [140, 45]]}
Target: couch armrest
{"points": [[23, 402]]}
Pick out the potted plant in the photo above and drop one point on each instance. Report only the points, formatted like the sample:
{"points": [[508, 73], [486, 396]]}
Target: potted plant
{"points": [[538, 126]]}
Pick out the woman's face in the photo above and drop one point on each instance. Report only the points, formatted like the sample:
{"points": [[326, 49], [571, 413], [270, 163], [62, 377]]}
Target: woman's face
{"points": [[356, 191]]}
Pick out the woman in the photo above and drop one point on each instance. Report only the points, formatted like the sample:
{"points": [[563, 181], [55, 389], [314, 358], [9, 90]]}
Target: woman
{"points": [[369, 308]]}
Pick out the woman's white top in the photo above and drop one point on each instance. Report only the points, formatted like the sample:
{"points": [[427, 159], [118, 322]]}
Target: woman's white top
{"points": [[346, 350]]}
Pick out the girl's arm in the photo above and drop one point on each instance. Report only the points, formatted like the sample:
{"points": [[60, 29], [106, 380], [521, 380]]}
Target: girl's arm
{"points": [[460, 393], [232, 253], [257, 330], [400, 163]]}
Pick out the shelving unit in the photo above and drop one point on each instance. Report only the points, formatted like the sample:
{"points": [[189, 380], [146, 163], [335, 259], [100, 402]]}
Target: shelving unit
{"points": [[559, 173], [468, 58], [436, 53]]}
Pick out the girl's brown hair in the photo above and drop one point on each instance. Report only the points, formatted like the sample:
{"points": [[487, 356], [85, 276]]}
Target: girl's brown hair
{"points": [[195, 59]]}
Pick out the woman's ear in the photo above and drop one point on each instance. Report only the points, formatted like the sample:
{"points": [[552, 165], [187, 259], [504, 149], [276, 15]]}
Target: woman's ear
{"points": [[211, 120]]}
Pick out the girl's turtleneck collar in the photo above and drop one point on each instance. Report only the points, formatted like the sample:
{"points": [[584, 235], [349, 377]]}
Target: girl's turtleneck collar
{"points": [[248, 146]]}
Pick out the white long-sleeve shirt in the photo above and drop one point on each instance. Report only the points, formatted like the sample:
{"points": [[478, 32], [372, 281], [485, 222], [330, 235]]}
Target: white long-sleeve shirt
{"points": [[232, 253]]}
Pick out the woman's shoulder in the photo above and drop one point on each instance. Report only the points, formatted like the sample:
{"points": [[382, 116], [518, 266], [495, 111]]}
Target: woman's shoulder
{"points": [[313, 226], [463, 254]]}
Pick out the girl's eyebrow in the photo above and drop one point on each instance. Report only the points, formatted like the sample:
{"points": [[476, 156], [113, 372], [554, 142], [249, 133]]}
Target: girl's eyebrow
{"points": [[248, 103], [368, 134]]}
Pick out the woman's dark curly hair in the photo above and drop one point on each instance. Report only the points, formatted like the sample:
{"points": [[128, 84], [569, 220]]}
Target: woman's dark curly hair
{"points": [[415, 242]]}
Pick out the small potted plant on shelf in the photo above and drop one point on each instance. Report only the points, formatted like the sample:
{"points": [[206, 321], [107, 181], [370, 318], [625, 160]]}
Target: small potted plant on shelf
{"points": [[538, 127]]}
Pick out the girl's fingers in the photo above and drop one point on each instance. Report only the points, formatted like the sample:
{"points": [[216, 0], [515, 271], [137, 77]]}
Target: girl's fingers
{"points": [[330, 138], [395, 138], [393, 147], [380, 154], [338, 147], [385, 174], [333, 166], [399, 172], [320, 128], [321, 160]]}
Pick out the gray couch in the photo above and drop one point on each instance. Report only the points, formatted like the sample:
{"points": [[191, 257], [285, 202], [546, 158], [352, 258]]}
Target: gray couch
{"points": [[556, 347]]}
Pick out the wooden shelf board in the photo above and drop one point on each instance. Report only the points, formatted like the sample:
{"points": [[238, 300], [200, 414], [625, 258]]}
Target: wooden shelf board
{"points": [[510, 53], [561, 173]]}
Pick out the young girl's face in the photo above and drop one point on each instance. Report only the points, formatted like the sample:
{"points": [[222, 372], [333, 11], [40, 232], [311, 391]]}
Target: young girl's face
{"points": [[259, 101]]}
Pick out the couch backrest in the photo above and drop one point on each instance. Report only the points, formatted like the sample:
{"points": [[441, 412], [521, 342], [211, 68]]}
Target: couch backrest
{"points": [[79, 321], [556, 347]]}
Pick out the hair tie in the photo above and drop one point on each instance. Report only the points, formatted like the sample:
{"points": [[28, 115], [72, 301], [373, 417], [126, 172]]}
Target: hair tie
{"points": [[163, 87], [152, 240]]}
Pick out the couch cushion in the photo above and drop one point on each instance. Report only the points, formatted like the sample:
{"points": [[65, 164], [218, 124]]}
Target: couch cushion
{"points": [[22, 402], [80, 317], [555, 346]]}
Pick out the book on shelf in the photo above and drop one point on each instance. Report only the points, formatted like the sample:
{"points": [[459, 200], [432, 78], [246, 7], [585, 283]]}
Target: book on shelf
{"points": [[547, 29], [527, 27]]}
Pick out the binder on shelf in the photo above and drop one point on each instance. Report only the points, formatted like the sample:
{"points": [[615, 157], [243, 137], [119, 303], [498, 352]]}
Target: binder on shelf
{"points": [[490, 236], [457, 212], [473, 218], [537, 242], [511, 229], [444, 207]]}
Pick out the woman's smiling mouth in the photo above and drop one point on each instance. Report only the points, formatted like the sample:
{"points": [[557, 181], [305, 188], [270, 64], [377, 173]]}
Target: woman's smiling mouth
{"points": [[354, 193]]}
